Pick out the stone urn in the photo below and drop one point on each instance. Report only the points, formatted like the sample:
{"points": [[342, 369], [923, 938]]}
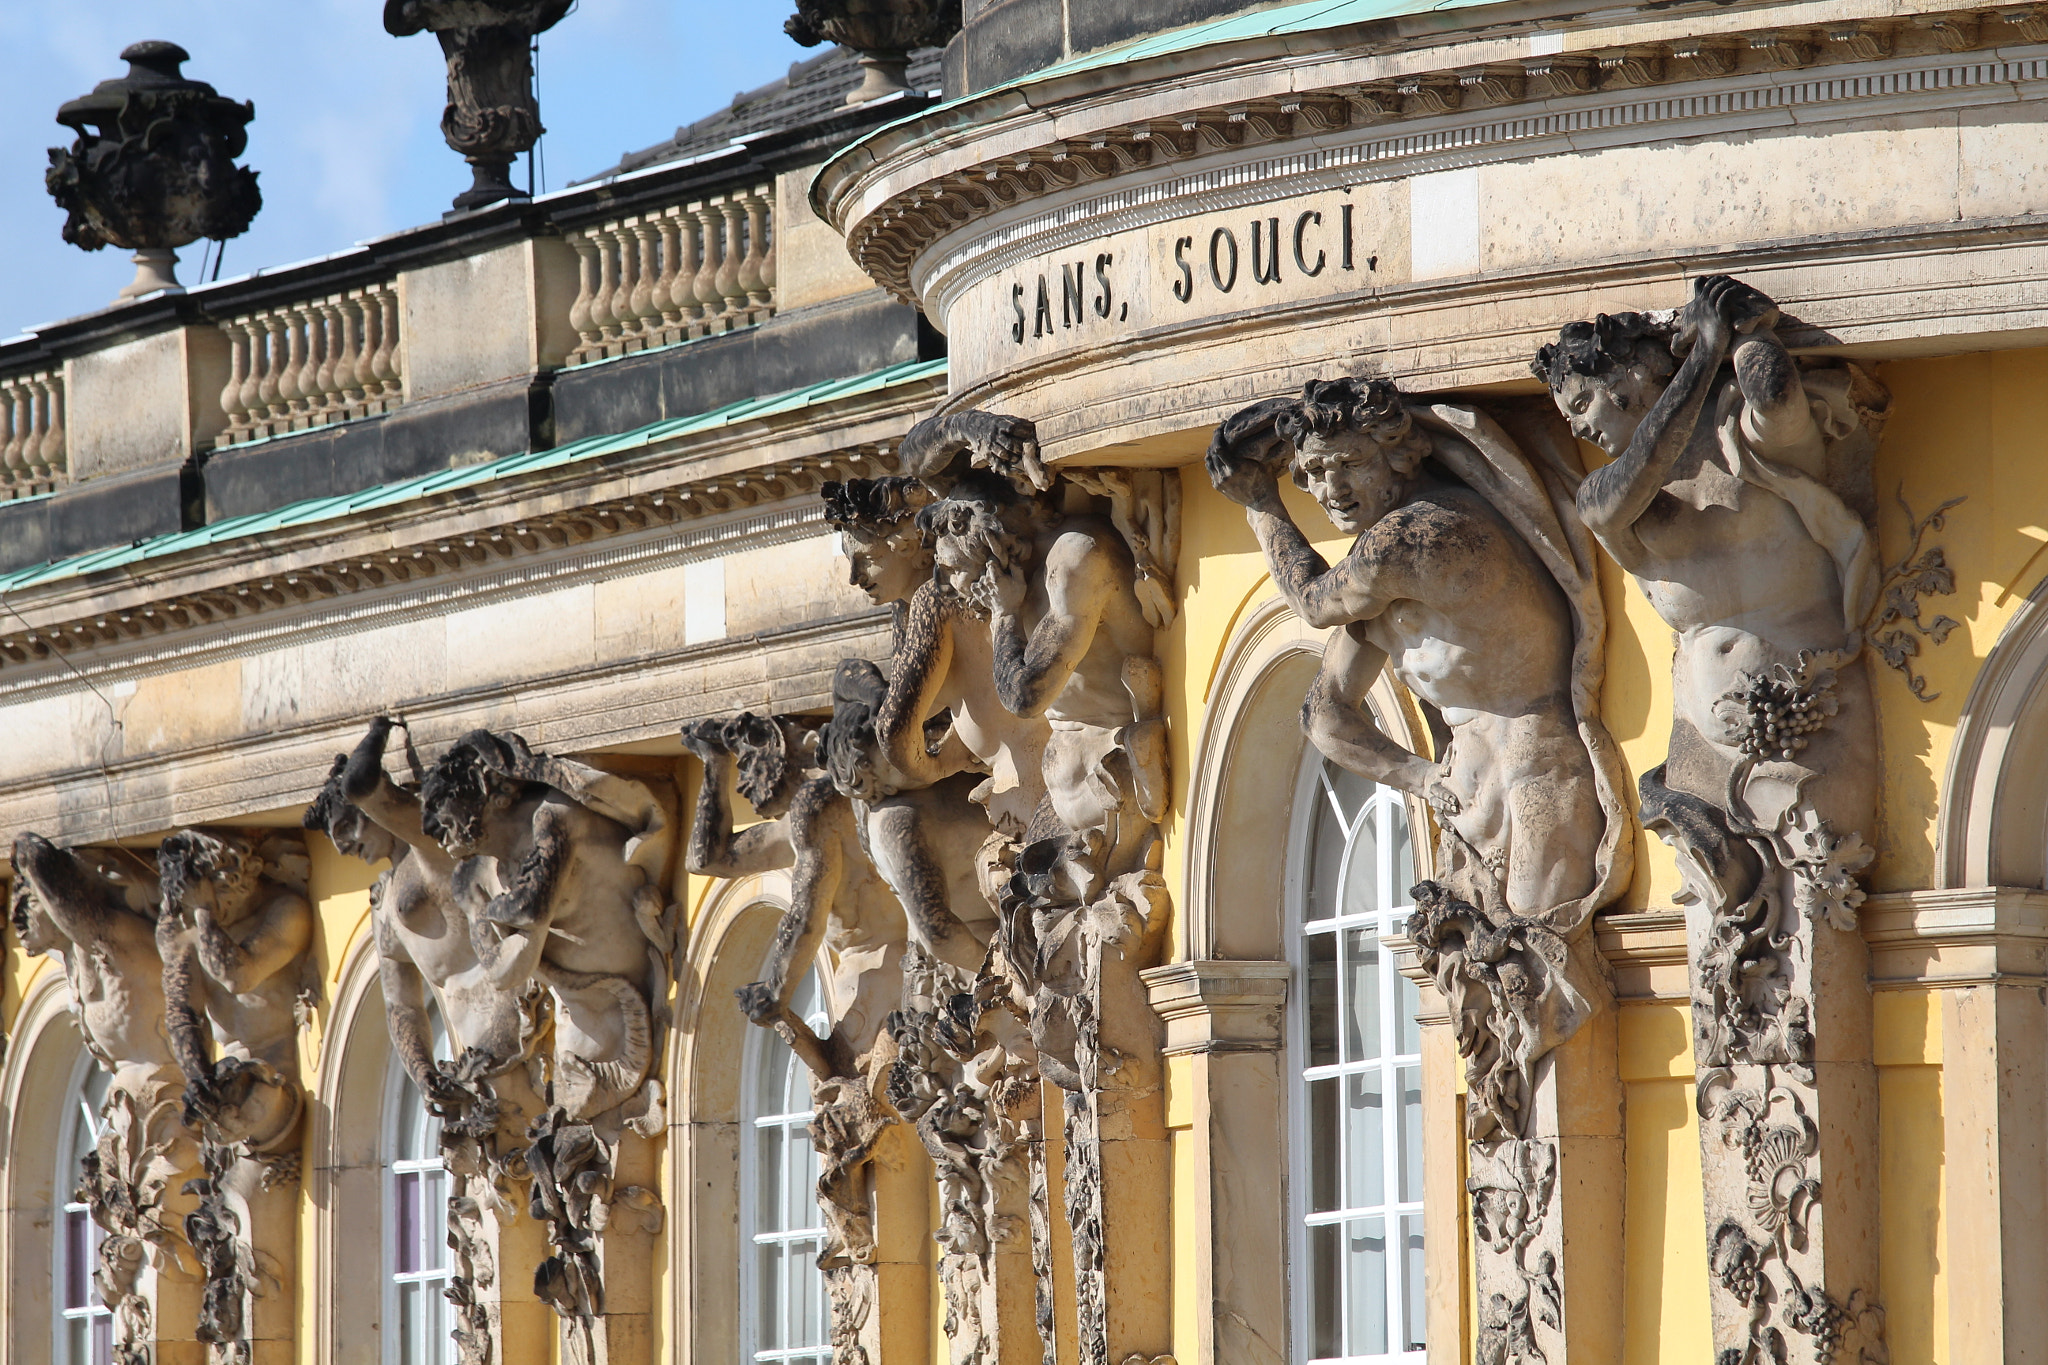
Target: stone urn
{"points": [[153, 168], [883, 32], [492, 116]]}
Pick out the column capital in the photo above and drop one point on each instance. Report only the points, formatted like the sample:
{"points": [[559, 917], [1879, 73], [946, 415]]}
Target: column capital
{"points": [[1220, 1005]]}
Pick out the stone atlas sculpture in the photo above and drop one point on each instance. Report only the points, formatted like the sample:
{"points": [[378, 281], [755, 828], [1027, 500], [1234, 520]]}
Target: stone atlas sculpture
{"points": [[1739, 498], [1472, 582], [97, 911], [974, 852], [153, 167]]}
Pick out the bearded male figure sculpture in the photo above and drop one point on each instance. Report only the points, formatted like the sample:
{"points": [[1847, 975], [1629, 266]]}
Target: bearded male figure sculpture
{"points": [[235, 934], [428, 968], [1739, 499], [1471, 581], [1063, 581], [97, 914], [561, 872]]}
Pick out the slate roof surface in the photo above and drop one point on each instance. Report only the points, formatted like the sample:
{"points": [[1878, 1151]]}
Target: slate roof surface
{"points": [[813, 89]]}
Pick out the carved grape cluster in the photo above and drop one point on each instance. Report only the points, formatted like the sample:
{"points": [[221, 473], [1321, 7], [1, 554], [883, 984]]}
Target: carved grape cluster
{"points": [[1778, 712]]}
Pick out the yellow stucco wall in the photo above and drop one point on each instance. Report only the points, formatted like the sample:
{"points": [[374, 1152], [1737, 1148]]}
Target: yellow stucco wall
{"points": [[1975, 427]]}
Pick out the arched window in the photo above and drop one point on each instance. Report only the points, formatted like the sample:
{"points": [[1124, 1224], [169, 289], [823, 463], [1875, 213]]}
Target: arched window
{"points": [[84, 1326], [417, 1315], [785, 1293], [1354, 1046]]}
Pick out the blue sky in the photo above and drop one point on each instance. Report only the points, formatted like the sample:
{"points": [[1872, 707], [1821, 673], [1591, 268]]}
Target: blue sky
{"points": [[347, 131]]}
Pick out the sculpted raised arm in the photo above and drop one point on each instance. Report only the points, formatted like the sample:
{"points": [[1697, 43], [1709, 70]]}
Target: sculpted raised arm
{"points": [[1335, 718], [990, 440], [1614, 497], [394, 809], [715, 850], [1031, 673], [821, 823], [920, 671]]}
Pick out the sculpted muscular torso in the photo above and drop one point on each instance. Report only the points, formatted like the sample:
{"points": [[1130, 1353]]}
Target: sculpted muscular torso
{"points": [[1442, 591]]}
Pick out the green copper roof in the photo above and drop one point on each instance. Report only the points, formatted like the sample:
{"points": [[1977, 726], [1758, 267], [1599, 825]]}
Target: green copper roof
{"points": [[426, 485], [1265, 23]]}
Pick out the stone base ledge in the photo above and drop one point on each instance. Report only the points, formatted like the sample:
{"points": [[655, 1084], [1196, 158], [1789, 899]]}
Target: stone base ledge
{"points": [[1960, 936], [1220, 1006]]}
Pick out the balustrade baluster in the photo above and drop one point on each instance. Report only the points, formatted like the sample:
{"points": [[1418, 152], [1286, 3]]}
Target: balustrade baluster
{"points": [[53, 455], [588, 337], [274, 373], [601, 315], [645, 246], [729, 290], [231, 396], [251, 397], [291, 383], [756, 209], [664, 300], [348, 386], [766, 194], [709, 226], [387, 364], [689, 259], [11, 469], [322, 312], [35, 452]]}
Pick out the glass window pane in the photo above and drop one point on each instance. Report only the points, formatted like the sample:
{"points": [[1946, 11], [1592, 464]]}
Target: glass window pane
{"points": [[1414, 1283], [77, 1340], [1323, 1140], [1326, 1297], [77, 1258], [1365, 1285], [1365, 1150], [1325, 861], [768, 1263], [1350, 790], [768, 1170], [1404, 854], [1407, 1004], [1322, 999], [1362, 991], [409, 1324], [103, 1339], [1409, 1079], [406, 1236], [1362, 893]]}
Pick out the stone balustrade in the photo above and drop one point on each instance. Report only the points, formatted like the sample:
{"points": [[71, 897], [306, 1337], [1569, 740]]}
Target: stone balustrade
{"points": [[668, 275], [31, 433], [311, 364]]}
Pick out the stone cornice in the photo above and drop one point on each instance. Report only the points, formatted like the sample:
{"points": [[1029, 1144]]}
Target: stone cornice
{"points": [[671, 498], [1219, 1006], [906, 196], [1972, 936]]}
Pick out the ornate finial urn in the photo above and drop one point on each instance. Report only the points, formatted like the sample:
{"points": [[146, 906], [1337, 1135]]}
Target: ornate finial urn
{"points": [[883, 31], [153, 168], [491, 116]]}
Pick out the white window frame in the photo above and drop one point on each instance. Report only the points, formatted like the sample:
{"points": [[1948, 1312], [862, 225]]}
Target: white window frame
{"points": [[79, 1120], [1405, 1306], [753, 1237], [391, 1166]]}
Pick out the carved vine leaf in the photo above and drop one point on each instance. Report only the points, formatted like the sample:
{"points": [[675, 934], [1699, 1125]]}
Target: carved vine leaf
{"points": [[1897, 618]]}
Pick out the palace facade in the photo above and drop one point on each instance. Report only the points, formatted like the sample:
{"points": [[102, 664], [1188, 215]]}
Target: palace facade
{"points": [[1326, 682]]}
